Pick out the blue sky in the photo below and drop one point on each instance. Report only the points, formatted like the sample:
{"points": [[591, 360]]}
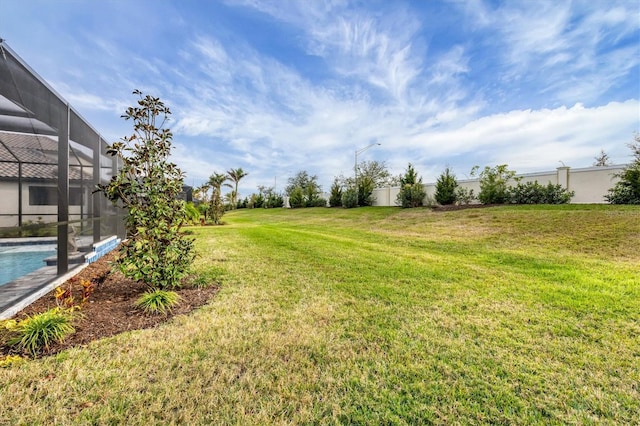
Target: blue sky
{"points": [[279, 86]]}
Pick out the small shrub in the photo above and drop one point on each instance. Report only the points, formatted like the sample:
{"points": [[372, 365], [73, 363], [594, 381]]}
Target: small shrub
{"points": [[494, 188], [534, 193], [296, 198], [38, 332], [192, 212], [411, 196], [335, 199], [464, 195], [158, 301], [64, 295], [627, 189], [274, 201], [366, 186], [317, 202], [446, 188], [412, 191], [556, 194], [350, 198]]}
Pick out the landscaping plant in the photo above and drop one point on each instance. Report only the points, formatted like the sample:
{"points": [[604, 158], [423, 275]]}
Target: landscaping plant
{"points": [[446, 186], [464, 195], [38, 332], [158, 301], [349, 198], [627, 189], [534, 193], [494, 184], [216, 205], [147, 185], [335, 199], [412, 191]]}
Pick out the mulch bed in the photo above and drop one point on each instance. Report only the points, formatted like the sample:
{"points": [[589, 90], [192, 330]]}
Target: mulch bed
{"points": [[110, 309], [453, 207]]}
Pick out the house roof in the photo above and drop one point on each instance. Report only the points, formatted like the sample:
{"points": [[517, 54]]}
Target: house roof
{"points": [[39, 158]]}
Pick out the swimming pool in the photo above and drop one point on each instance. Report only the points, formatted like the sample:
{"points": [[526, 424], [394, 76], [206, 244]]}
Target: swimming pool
{"points": [[16, 261]]}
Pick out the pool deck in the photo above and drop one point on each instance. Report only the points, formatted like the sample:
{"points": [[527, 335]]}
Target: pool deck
{"points": [[27, 241], [19, 294]]}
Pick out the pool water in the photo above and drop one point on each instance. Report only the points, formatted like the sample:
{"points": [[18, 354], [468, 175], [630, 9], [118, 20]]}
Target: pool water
{"points": [[20, 260]]}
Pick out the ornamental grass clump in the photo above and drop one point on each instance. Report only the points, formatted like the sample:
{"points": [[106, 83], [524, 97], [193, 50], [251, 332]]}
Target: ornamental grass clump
{"points": [[158, 301], [36, 333]]}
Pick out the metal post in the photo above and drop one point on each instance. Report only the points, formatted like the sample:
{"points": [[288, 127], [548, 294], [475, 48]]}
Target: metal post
{"points": [[20, 194], [95, 197], [63, 192]]}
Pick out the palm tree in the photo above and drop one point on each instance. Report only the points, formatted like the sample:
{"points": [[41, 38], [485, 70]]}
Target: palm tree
{"points": [[235, 175]]}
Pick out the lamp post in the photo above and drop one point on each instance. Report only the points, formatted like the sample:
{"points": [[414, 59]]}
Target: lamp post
{"points": [[355, 169]]}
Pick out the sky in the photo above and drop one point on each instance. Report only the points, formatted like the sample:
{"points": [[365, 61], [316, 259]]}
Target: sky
{"points": [[276, 87]]}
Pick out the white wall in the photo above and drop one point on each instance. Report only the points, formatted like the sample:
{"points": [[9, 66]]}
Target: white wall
{"points": [[590, 184], [9, 206]]}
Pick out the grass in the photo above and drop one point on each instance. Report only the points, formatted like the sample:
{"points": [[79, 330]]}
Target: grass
{"points": [[514, 315]]}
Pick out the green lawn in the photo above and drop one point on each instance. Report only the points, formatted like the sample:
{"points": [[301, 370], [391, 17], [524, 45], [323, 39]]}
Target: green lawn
{"points": [[512, 315]]}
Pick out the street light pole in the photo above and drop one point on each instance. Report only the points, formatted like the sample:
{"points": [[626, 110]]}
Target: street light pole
{"points": [[355, 169]]}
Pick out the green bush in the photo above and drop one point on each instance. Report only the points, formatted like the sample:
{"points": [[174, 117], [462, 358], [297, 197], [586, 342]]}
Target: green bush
{"points": [[274, 201], [527, 193], [365, 190], [494, 184], [303, 190], [192, 212], [464, 195], [446, 188], [349, 198], [556, 194], [38, 332], [335, 199], [627, 189], [158, 301], [534, 193], [412, 191], [296, 198], [316, 202]]}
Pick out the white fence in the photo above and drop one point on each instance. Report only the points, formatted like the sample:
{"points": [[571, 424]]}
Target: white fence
{"points": [[589, 184]]}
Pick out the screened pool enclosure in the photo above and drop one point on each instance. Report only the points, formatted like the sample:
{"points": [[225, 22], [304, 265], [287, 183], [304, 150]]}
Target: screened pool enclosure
{"points": [[51, 160]]}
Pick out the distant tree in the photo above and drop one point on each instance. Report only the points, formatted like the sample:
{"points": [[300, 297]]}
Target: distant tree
{"points": [[446, 187], [303, 190], [365, 189], [296, 198], [235, 176], [335, 199], [494, 184], [201, 197], [412, 191], [216, 204], [627, 189], [349, 198], [270, 197], [602, 159], [377, 172]]}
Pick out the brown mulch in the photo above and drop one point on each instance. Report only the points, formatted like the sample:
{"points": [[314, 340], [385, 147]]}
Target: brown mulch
{"points": [[110, 309], [453, 207]]}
